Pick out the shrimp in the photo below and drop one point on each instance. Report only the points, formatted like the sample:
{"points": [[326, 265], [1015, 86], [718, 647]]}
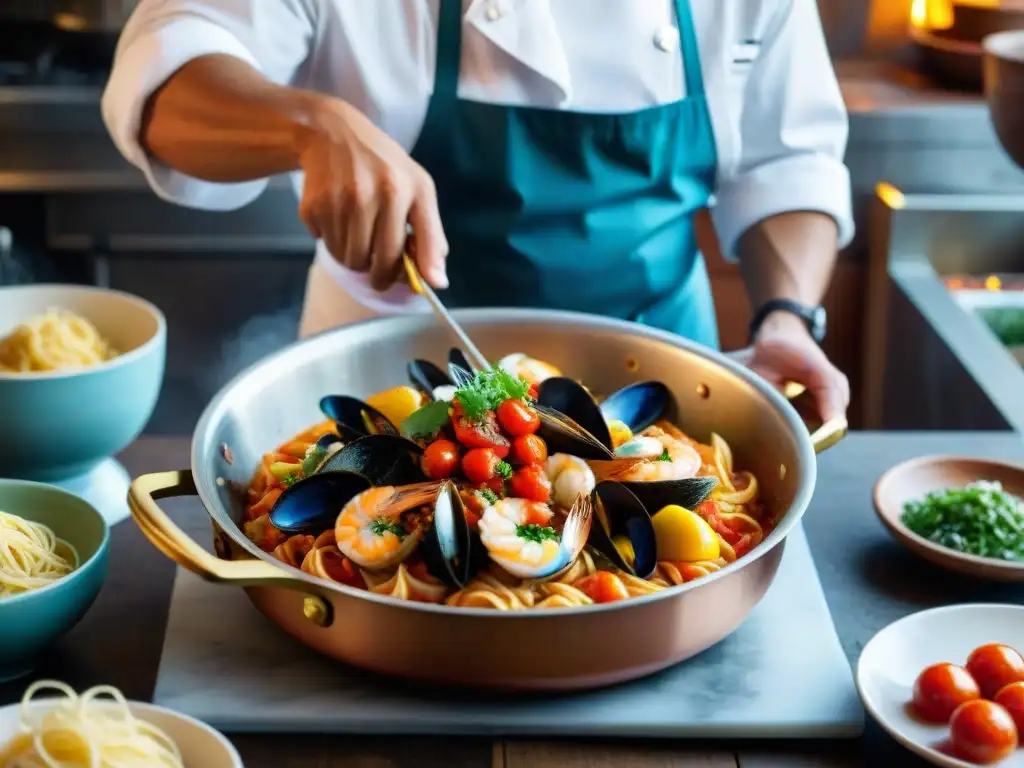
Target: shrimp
{"points": [[678, 461], [518, 538], [570, 476], [370, 531]]}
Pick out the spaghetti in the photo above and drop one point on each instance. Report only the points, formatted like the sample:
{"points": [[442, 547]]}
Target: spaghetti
{"points": [[53, 341], [31, 556], [94, 730]]}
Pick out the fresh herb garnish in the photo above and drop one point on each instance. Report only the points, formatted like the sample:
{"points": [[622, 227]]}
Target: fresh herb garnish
{"points": [[427, 421], [980, 519], [665, 456], [503, 469], [489, 496], [489, 389], [314, 457], [537, 533], [291, 480], [383, 525]]}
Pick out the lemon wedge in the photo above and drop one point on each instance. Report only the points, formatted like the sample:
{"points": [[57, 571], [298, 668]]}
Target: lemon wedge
{"points": [[684, 536], [397, 404]]}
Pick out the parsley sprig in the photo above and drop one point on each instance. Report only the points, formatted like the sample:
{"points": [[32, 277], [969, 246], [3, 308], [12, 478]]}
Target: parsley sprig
{"points": [[489, 389], [383, 525], [537, 533]]}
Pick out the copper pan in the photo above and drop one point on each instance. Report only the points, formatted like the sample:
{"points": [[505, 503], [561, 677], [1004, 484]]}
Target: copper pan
{"points": [[557, 649]]}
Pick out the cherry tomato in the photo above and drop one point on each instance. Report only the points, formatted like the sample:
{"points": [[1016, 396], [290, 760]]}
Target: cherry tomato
{"points": [[480, 464], [517, 418], [538, 513], [441, 459], [481, 433], [534, 390], [531, 483], [940, 689], [496, 485], [602, 587], [982, 732], [995, 666], [1011, 698], [529, 449]]}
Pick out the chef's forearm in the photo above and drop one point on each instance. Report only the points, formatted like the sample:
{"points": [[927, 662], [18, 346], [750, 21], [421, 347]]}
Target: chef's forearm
{"points": [[220, 120], [789, 256]]}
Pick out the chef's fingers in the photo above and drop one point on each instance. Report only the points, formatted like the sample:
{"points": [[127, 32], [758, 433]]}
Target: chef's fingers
{"points": [[831, 390], [389, 236], [431, 246], [359, 204]]}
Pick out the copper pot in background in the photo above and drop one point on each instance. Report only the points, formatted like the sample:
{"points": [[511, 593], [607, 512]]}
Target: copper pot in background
{"points": [[1004, 89]]}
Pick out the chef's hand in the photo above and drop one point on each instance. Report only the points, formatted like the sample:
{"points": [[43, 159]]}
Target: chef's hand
{"points": [[361, 189], [784, 351]]}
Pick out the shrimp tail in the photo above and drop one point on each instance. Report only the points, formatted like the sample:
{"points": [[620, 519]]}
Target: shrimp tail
{"points": [[613, 469], [410, 496]]}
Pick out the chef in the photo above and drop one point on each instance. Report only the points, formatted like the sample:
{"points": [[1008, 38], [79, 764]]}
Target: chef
{"points": [[542, 153]]}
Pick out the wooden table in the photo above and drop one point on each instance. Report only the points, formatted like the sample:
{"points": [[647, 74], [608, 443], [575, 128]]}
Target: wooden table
{"points": [[869, 581]]}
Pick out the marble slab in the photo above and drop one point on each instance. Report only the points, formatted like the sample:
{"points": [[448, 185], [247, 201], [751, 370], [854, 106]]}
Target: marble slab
{"points": [[781, 674]]}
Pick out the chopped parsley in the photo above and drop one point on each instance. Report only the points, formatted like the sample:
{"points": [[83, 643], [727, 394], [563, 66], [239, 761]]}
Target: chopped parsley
{"points": [[489, 389], [488, 495], [382, 525], [291, 480], [664, 456], [537, 533], [503, 469]]}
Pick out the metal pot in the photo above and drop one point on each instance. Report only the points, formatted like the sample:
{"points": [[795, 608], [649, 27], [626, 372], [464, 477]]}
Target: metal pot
{"points": [[557, 649]]}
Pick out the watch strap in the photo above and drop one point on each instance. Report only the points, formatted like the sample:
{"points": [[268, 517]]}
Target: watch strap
{"points": [[808, 314]]}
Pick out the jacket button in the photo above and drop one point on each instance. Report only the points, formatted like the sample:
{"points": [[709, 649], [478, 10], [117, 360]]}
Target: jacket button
{"points": [[494, 12], [667, 38]]}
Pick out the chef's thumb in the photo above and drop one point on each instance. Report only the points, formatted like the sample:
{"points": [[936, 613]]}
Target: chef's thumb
{"points": [[830, 394], [430, 246]]}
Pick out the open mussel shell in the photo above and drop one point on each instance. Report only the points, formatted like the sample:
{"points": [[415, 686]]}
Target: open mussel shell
{"points": [[639, 405], [313, 504], [563, 435], [427, 377], [622, 530], [354, 418], [383, 459], [450, 550], [573, 400], [688, 493]]}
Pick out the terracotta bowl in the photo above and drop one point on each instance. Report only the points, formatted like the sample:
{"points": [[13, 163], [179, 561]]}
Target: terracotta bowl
{"points": [[914, 479], [1004, 89]]}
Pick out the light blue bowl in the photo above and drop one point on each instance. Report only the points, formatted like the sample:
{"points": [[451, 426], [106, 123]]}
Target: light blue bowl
{"points": [[31, 621], [54, 426]]}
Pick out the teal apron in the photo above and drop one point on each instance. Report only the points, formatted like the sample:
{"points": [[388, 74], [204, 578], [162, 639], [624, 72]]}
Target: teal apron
{"points": [[576, 211]]}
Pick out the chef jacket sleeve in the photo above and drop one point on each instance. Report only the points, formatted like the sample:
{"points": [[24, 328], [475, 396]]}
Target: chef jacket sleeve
{"points": [[274, 36], [793, 133]]}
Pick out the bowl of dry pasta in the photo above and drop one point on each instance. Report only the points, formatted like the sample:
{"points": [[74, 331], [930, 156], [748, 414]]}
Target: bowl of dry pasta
{"points": [[53, 561], [80, 372]]}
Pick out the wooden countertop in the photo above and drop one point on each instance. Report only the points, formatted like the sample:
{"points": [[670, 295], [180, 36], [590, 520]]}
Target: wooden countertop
{"points": [[869, 581]]}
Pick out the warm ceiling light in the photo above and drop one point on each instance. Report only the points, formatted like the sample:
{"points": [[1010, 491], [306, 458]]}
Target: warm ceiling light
{"points": [[993, 283]]}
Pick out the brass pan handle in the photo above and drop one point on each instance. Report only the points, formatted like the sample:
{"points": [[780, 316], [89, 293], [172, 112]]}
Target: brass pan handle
{"points": [[823, 434], [166, 536]]}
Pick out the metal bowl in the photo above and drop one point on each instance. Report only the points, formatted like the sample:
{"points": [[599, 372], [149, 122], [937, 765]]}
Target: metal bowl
{"points": [[1004, 89], [557, 649]]}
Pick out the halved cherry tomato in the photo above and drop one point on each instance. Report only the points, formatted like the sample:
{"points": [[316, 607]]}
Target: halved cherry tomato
{"points": [[531, 483], [517, 418], [441, 459], [994, 666], [538, 513], [1011, 698], [529, 449], [481, 433], [940, 689], [479, 465], [602, 587], [982, 732], [534, 390]]}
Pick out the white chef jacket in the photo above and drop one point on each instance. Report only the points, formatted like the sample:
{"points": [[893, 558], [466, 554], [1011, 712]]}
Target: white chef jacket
{"points": [[779, 120]]}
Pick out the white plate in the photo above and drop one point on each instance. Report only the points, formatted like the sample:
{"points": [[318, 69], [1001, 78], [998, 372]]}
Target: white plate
{"points": [[893, 658], [200, 745]]}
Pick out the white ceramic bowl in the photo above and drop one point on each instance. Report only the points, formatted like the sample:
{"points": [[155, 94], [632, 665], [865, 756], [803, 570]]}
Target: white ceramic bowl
{"points": [[893, 658], [200, 745]]}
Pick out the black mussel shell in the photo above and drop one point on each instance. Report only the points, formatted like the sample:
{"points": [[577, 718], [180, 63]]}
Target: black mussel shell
{"points": [[326, 441], [427, 377], [639, 405], [684, 493], [382, 459], [563, 435], [355, 418], [450, 549], [572, 399], [312, 505], [618, 512]]}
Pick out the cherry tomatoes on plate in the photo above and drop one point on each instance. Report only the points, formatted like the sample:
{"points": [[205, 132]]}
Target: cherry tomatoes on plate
{"points": [[995, 666], [940, 689], [518, 418], [602, 587], [1011, 698], [481, 433], [982, 732], [531, 483], [529, 449], [440, 459], [480, 465]]}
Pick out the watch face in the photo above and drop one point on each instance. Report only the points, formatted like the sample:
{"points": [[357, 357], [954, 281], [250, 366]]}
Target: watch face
{"points": [[818, 320]]}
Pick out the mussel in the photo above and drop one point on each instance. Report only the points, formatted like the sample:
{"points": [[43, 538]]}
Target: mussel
{"points": [[571, 399], [320, 452], [431, 380], [564, 435], [354, 418], [313, 504], [383, 459], [623, 531], [688, 492], [451, 551]]}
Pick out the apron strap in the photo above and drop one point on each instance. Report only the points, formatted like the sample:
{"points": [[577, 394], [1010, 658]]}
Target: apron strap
{"points": [[449, 51], [690, 49]]}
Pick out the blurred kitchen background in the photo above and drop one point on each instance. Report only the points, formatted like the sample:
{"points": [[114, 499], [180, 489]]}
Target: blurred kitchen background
{"points": [[925, 312]]}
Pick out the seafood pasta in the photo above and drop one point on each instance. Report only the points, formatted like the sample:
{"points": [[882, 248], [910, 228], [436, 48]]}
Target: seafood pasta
{"points": [[507, 489]]}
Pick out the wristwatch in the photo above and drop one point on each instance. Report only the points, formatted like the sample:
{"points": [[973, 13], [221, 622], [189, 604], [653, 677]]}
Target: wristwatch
{"points": [[814, 317]]}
